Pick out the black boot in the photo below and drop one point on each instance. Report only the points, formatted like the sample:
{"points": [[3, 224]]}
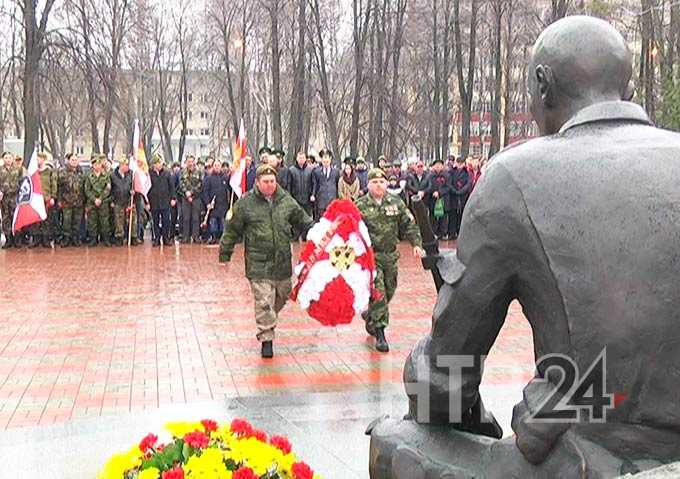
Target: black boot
{"points": [[8, 242], [267, 349], [46, 242], [35, 241], [380, 341], [92, 243], [370, 329]]}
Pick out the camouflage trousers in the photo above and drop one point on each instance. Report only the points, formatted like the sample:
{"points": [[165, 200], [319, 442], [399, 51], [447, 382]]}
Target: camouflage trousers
{"points": [[120, 218], [46, 229], [98, 222], [8, 205], [70, 222], [270, 298], [386, 284]]}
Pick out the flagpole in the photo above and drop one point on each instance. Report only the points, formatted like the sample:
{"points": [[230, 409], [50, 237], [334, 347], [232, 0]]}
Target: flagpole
{"points": [[132, 198]]}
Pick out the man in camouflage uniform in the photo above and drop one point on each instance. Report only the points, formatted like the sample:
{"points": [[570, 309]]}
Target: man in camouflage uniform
{"points": [[10, 179], [71, 182], [190, 186], [388, 220], [121, 192], [43, 232], [97, 199], [265, 218]]}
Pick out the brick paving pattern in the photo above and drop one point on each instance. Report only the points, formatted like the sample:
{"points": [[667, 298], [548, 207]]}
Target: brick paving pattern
{"points": [[93, 332]]}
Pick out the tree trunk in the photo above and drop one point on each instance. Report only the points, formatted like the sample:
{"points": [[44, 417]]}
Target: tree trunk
{"points": [[465, 85], [276, 74], [296, 122], [361, 19], [320, 55], [394, 98], [498, 10]]}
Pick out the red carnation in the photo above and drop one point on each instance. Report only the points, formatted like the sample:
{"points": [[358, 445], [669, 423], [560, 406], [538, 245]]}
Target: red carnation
{"points": [[244, 473], [346, 227], [281, 443], [241, 427], [197, 439], [176, 473], [342, 207], [335, 305], [301, 470], [148, 442], [259, 435], [209, 425]]}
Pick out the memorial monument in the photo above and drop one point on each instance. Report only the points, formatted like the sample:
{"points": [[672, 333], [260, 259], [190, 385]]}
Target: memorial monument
{"points": [[582, 227]]}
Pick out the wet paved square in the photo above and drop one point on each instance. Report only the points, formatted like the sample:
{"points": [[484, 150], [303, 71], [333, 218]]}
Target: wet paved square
{"points": [[89, 335]]}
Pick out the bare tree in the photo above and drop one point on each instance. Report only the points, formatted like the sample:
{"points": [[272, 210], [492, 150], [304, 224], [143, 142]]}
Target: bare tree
{"points": [[35, 41], [465, 83]]}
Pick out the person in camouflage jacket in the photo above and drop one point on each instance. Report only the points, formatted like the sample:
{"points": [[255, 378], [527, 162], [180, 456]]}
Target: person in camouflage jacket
{"points": [[43, 232], [97, 203], [11, 174], [388, 221], [190, 187], [71, 195], [265, 218]]}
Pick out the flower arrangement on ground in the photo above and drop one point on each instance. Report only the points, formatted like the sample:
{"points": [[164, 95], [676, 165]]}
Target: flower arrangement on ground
{"points": [[208, 450]]}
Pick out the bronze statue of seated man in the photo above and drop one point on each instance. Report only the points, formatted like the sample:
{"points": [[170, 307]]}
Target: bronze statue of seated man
{"points": [[582, 227]]}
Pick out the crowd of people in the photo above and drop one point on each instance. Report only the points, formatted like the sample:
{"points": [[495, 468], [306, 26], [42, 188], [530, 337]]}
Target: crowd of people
{"points": [[189, 202]]}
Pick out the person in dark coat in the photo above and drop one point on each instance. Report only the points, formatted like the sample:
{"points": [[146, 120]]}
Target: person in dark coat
{"points": [[362, 173], [300, 185], [217, 192], [461, 186], [324, 184], [175, 210], [417, 182], [251, 170], [282, 173], [121, 191], [439, 189], [161, 198]]}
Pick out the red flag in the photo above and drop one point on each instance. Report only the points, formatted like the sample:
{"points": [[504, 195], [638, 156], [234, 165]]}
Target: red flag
{"points": [[238, 177], [30, 203]]}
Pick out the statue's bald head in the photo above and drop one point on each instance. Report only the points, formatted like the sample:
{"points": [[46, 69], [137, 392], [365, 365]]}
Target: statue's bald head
{"points": [[575, 62]]}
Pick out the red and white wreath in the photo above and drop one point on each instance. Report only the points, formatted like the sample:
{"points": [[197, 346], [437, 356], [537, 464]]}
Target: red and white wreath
{"points": [[337, 266]]}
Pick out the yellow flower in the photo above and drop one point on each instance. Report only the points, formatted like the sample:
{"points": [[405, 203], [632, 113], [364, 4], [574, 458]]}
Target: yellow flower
{"points": [[259, 456], [150, 473], [119, 464], [224, 435], [180, 429], [209, 465]]}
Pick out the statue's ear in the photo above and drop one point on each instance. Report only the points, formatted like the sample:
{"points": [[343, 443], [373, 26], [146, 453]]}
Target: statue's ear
{"points": [[546, 84]]}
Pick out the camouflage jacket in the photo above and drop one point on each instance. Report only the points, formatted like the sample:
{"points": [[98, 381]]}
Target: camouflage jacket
{"points": [[48, 182], [265, 227], [71, 187], [10, 179], [190, 181], [388, 222], [97, 187]]}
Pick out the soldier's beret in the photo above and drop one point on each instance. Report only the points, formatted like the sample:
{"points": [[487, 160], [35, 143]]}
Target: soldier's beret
{"points": [[123, 161], [265, 170], [376, 173], [396, 163], [156, 159], [361, 160], [279, 152], [382, 158], [95, 159], [326, 152], [263, 150]]}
